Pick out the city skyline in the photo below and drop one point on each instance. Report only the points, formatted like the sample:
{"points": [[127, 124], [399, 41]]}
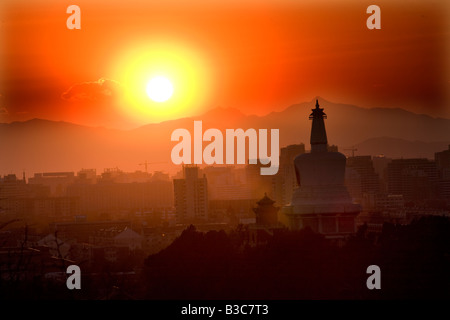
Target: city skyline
{"points": [[245, 150], [154, 236]]}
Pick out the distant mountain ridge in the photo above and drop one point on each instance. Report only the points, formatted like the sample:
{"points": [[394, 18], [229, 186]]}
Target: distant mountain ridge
{"points": [[42, 145]]}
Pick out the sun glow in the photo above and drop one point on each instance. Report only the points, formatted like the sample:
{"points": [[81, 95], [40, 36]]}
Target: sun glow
{"points": [[159, 89], [141, 72]]}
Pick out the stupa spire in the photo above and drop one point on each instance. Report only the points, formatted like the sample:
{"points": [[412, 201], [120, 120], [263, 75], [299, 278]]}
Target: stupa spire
{"points": [[318, 138]]}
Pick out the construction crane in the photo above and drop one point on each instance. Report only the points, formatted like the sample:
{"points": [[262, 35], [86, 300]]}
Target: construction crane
{"points": [[353, 149], [146, 163]]}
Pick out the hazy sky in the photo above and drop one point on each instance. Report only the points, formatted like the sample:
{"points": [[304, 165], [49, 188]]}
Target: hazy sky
{"points": [[257, 56]]}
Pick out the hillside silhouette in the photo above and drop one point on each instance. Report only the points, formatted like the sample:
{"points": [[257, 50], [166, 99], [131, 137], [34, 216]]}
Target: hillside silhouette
{"points": [[41, 145], [413, 259], [301, 264]]}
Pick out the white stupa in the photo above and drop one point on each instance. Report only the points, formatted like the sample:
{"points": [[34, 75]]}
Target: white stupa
{"points": [[321, 201]]}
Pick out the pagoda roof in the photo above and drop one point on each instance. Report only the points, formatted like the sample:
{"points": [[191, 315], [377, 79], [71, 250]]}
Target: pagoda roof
{"points": [[317, 113], [265, 201]]}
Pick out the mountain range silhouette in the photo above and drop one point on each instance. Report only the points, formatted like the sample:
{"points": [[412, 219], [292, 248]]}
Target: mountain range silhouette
{"points": [[39, 145]]}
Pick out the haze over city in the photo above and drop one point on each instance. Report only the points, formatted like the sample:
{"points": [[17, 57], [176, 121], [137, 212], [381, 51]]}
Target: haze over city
{"points": [[357, 201]]}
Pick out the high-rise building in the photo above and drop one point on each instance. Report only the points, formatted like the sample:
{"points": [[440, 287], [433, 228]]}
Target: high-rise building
{"points": [[112, 197], [56, 181], [118, 176], [321, 202], [443, 159], [227, 183], [56, 208], [380, 163], [258, 184], [369, 178], [443, 164], [16, 196], [285, 181], [87, 176], [353, 184], [11, 187], [361, 168], [12, 196], [415, 179], [191, 196]]}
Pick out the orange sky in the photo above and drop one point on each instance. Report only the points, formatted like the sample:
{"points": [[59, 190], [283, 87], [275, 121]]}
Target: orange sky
{"points": [[257, 56]]}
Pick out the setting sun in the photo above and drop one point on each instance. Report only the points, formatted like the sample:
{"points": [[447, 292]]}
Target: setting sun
{"points": [[162, 81], [159, 89]]}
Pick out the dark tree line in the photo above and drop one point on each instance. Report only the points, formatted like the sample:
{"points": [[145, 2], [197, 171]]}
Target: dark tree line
{"points": [[414, 261]]}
